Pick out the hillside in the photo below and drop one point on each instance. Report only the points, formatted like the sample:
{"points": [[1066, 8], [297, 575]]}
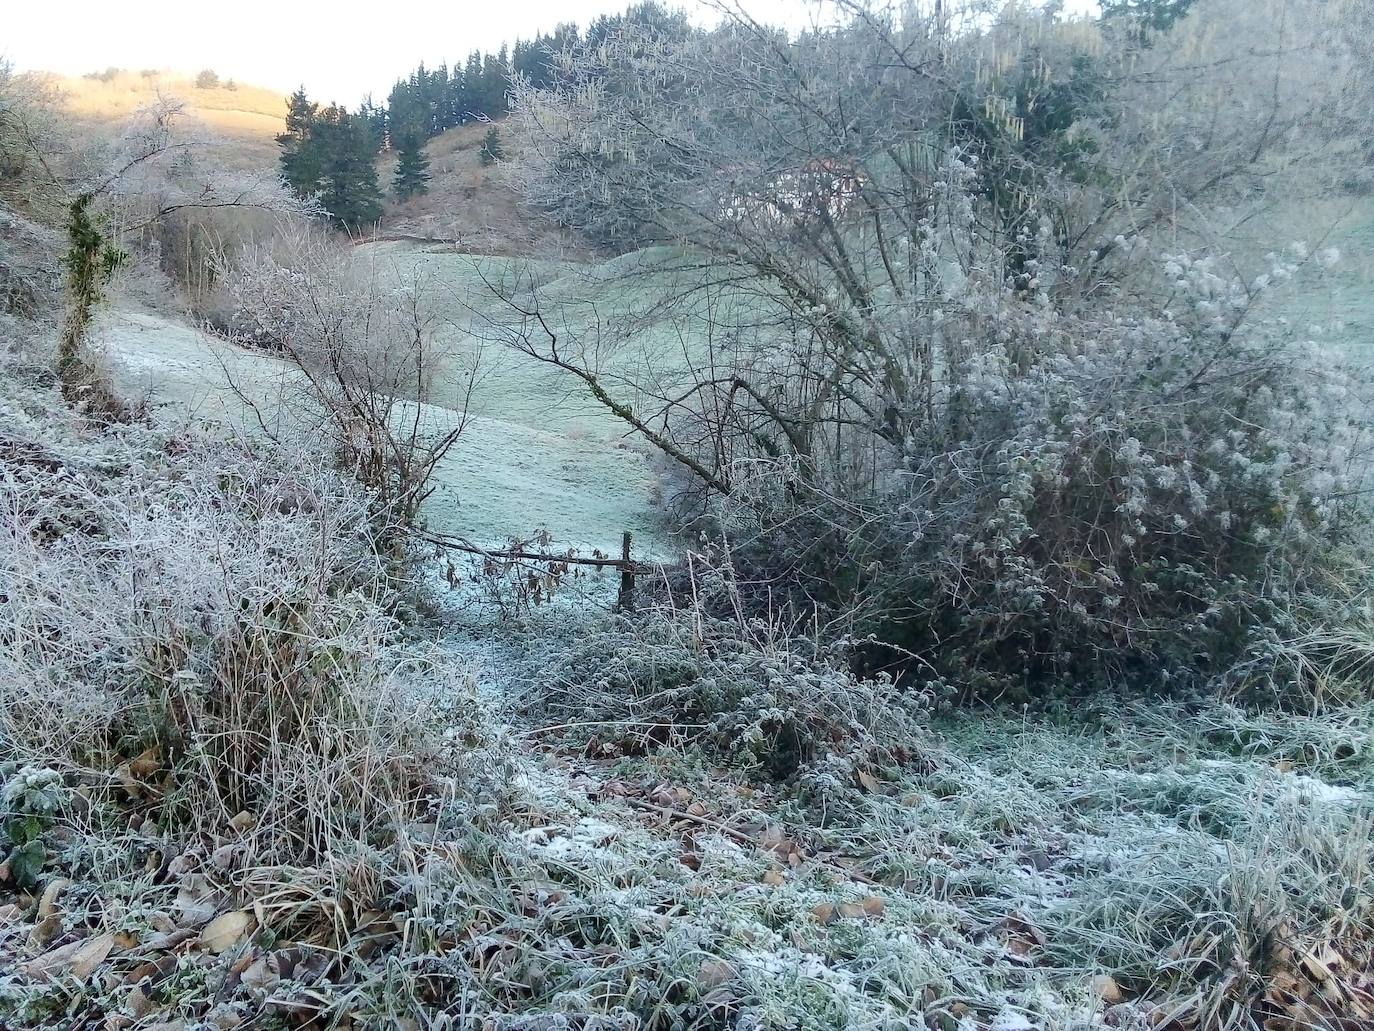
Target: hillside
{"points": [[242, 122], [468, 203]]}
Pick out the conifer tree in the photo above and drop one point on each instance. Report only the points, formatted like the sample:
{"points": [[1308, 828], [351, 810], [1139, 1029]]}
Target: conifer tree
{"points": [[412, 167], [350, 192], [472, 86], [492, 151], [494, 84], [300, 163], [374, 115]]}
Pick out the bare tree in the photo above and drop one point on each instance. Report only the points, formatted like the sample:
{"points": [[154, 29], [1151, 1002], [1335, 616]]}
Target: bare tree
{"points": [[881, 166], [390, 398], [946, 298]]}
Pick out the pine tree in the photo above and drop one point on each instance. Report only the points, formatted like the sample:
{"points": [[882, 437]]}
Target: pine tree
{"points": [[412, 167], [492, 151], [350, 193], [300, 161], [472, 86]]}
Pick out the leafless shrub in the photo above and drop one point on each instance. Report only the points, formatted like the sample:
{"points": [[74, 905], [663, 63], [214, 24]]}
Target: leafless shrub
{"points": [[364, 337]]}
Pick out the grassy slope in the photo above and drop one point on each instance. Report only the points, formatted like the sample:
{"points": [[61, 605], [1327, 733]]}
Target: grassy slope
{"points": [[540, 453], [240, 123], [468, 203], [505, 475]]}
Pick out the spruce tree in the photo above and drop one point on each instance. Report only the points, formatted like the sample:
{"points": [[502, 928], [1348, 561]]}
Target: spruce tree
{"points": [[494, 84], [472, 86], [492, 151], [349, 189], [300, 159], [412, 167]]}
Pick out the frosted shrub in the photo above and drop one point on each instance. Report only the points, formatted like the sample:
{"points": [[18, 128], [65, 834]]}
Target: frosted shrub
{"points": [[204, 629], [1142, 494], [972, 406]]}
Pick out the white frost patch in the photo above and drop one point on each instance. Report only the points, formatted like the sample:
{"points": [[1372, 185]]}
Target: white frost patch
{"points": [[1321, 791], [1012, 1020], [587, 839]]}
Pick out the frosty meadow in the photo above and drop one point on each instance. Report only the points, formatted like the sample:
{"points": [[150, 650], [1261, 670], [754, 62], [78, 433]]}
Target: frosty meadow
{"points": [[681, 522]]}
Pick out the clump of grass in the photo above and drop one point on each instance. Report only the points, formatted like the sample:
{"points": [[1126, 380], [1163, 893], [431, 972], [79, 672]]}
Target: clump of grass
{"points": [[763, 699]]}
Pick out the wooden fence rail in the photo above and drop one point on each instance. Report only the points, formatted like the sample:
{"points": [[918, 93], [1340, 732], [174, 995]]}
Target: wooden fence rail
{"points": [[629, 568]]}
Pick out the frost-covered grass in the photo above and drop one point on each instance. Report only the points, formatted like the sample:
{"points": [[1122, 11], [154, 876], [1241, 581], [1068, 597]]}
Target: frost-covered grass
{"points": [[420, 848], [502, 476], [446, 833], [1161, 860]]}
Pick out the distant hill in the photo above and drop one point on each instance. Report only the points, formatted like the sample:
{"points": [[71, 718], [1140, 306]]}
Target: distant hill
{"points": [[241, 119]]}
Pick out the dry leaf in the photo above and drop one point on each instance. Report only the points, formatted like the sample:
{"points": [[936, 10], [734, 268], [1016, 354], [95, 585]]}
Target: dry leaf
{"points": [[774, 878], [259, 975], [1318, 967], [92, 953], [164, 964], [225, 931], [78, 958], [715, 973], [224, 1017], [138, 1003], [9, 914], [1019, 949], [127, 780], [51, 963], [242, 963], [1104, 986], [824, 913], [47, 905], [223, 857], [42, 932], [145, 764], [243, 821], [718, 999], [869, 781], [196, 901]]}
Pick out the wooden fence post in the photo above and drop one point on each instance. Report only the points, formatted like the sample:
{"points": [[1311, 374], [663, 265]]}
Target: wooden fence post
{"points": [[626, 602]]}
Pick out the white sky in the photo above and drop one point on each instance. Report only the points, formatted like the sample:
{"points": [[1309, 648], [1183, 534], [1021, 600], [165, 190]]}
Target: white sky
{"points": [[340, 49]]}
